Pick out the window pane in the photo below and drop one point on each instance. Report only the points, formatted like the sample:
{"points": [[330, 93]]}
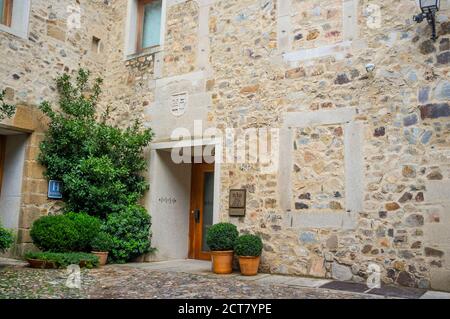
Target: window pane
{"points": [[2, 8], [208, 207], [152, 24]]}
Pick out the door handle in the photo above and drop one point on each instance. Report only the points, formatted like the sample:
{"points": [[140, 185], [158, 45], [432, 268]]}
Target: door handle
{"points": [[197, 215]]}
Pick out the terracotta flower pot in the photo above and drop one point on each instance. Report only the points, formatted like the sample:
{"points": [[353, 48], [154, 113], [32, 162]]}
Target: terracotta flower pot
{"points": [[41, 264], [102, 257], [249, 265], [222, 262]]}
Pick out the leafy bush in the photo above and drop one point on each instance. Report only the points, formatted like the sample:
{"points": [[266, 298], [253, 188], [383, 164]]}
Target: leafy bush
{"points": [[99, 164], [6, 110], [130, 232], [6, 239], [65, 233], [102, 242], [249, 246], [87, 228], [222, 236], [63, 260]]}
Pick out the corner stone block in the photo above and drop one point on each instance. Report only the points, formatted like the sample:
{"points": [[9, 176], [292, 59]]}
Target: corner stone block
{"points": [[28, 216], [440, 279]]}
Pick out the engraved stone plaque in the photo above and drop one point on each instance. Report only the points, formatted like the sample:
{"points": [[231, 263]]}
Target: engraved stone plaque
{"points": [[178, 104]]}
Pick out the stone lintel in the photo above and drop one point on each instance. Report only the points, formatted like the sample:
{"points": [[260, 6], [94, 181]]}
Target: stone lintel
{"points": [[308, 220], [322, 117]]}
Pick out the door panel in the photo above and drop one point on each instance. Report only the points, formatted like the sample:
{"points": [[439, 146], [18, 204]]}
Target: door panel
{"points": [[201, 213]]}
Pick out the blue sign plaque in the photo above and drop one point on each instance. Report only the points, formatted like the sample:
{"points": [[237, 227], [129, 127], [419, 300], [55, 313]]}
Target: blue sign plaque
{"points": [[54, 189]]}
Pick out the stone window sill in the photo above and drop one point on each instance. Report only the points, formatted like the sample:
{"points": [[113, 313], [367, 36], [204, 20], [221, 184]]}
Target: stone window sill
{"points": [[17, 33], [145, 52]]}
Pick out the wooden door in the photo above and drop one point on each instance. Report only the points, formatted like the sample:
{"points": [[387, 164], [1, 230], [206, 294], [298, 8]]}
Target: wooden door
{"points": [[2, 158], [201, 213]]}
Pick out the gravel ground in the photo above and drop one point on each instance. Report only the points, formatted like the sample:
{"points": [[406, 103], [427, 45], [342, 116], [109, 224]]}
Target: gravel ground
{"points": [[131, 283]]}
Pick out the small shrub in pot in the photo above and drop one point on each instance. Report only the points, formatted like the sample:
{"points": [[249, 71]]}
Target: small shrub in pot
{"points": [[249, 249], [101, 245], [221, 240]]}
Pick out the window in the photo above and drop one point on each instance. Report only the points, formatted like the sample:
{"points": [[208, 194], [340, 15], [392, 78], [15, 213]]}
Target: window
{"points": [[15, 16], [6, 12], [149, 24]]}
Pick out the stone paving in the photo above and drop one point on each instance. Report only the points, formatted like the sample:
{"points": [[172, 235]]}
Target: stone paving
{"points": [[179, 279]]}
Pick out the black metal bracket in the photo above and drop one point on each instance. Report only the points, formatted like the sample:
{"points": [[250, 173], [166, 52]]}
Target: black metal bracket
{"points": [[430, 15]]}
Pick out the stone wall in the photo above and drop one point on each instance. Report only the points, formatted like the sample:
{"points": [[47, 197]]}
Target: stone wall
{"points": [[402, 107], [365, 170], [28, 68]]}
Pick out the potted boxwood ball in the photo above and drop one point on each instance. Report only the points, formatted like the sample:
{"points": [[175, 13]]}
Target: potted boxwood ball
{"points": [[221, 238], [101, 245], [249, 249]]}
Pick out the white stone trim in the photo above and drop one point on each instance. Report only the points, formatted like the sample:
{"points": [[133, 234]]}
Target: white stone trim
{"points": [[217, 164], [338, 50], [193, 76], [285, 168], [11, 195], [350, 20], [20, 19], [322, 117], [308, 220], [203, 49], [354, 168]]}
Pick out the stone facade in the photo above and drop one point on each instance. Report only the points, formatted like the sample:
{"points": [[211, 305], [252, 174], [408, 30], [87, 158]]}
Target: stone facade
{"points": [[28, 69], [365, 167]]}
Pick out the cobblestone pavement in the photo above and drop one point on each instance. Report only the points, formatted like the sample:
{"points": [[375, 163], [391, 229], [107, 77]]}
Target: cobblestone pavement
{"points": [[127, 282]]}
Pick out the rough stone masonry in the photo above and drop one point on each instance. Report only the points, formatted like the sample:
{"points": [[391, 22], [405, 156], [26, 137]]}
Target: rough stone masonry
{"points": [[365, 158]]}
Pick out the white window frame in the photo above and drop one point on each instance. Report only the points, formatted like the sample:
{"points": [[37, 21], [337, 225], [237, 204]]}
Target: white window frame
{"points": [[20, 19], [130, 50]]}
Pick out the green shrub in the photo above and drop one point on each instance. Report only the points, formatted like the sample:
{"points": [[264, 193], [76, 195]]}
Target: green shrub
{"points": [[249, 246], [6, 239], [130, 232], [6, 110], [221, 237], [63, 260], [102, 242], [65, 233], [87, 227], [100, 164]]}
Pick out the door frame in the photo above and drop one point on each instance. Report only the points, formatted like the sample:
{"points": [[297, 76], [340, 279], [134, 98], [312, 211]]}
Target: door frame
{"points": [[168, 146]]}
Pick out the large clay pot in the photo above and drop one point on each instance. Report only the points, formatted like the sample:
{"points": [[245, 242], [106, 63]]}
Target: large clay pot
{"points": [[249, 265], [41, 264], [102, 257], [222, 262]]}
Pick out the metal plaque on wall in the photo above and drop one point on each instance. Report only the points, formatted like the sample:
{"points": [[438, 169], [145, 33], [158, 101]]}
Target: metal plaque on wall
{"points": [[237, 202]]}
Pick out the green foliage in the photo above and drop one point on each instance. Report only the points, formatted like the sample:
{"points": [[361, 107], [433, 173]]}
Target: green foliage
{"points": [[65, 233], [6, 239], [62, 260], [221, 237], [6, 110], [130, 232], [87, 228], [103, 242], [248, 246], [100, 165]]}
